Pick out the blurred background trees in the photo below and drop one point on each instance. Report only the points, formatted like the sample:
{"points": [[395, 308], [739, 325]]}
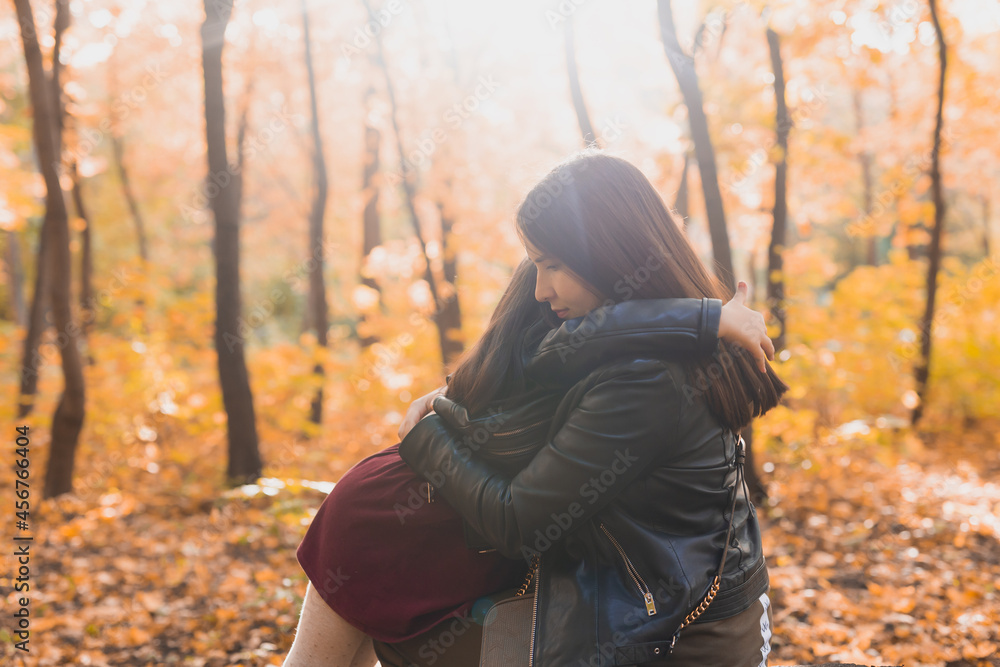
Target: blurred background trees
{"points": [[810, 130], [239, 239]]}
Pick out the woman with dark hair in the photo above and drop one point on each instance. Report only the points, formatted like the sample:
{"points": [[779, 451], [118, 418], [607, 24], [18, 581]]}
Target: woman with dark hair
{"points": [[644, 549], [385, 558]]}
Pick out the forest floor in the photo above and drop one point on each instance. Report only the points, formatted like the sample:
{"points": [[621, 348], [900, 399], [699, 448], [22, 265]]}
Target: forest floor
{"points": [[880, 558]]}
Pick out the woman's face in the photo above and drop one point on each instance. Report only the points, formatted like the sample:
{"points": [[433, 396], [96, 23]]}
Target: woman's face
{"points": [[566, 295]]}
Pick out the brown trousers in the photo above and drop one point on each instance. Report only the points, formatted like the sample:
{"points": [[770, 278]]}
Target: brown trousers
{"points": [[743, 640]]}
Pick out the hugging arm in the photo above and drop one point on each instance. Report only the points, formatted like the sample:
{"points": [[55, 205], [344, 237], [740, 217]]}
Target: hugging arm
{"points": [[644, 326], [638, 327], [612, 428], [673, 326], [651, 326]]}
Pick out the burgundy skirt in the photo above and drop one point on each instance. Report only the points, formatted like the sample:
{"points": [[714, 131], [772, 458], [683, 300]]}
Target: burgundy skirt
{"points": [[390, 563]]}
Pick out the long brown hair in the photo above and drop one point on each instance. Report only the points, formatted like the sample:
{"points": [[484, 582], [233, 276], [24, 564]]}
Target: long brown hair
{"points": [[493, 368], [603, 219]]}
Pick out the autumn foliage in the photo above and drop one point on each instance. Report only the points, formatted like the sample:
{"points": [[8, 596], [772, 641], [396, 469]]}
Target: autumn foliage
{"points": [[882, 538]]}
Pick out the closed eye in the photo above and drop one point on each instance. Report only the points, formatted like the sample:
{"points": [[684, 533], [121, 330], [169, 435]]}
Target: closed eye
{"points": [[553, 267]]}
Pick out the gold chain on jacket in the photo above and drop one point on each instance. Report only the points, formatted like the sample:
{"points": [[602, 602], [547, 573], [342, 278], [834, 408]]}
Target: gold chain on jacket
{"points": [[700, 609], [527, 579]]}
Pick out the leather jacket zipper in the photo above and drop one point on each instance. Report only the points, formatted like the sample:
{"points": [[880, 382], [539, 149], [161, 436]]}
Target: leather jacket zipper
{"points": [[534, 614], [521, 429], [647, 596], [518, 450], [514, 452]]}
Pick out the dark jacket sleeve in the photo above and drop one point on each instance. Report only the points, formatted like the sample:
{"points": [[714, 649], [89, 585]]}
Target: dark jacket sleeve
{"points": [[627, 420], [641, 327]]}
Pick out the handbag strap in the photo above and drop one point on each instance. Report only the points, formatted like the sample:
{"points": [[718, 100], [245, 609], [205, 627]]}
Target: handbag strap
{"points": [[741, 457]]}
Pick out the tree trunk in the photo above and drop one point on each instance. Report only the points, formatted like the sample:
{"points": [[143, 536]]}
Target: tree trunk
{"points": [[869, 234], [61, 24], [776, 248], [681, 202], [69, 415], [922, 370], [118, 150], [904, 231], [86, 262], [582, 117], [317, 288], [118, 154], [450, 317], [372, 234], [244, 462], [407, 182], [449, 314], [59, 27], [15, 279], [31, 360], [758, 490], [687, 78]]}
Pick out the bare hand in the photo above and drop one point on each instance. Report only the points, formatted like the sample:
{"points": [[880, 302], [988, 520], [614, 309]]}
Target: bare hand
{"points": [[745, 327], [419, 409]]}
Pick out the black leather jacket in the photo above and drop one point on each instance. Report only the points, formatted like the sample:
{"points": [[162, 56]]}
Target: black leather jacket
{"points": [[625, 497]]}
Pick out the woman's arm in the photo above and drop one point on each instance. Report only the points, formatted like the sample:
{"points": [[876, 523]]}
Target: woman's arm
{"points": [[659, 327], [648, 326], [623, 423], [677, 326]]}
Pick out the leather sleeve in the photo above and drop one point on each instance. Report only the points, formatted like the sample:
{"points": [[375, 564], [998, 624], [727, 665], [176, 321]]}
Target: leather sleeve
{"points": [[661, 327], [708, 333], [622, 424]]}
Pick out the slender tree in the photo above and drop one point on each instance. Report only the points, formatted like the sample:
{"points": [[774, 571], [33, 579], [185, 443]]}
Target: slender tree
{"points": [[575, 91], [69, 415], [244, 461], [124, 175], [683, 66], [371, 232], [15, 278], [922, 369], [450, 315], [870, 237], [86, 258], [900, 229], [776, 248], [317, 288], [62, 23], [681, 201], [409, 189], [687, 78], [31, 360]]}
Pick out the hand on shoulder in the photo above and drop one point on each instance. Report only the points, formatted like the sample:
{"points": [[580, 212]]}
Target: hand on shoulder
{"points": [[745, 327]]}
